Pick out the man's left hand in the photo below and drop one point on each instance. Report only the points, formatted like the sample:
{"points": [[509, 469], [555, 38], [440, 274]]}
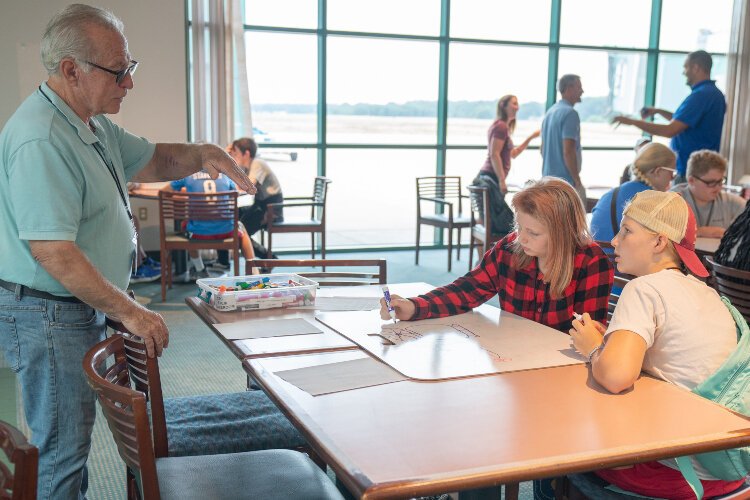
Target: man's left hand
{"points": [[216, 161]]}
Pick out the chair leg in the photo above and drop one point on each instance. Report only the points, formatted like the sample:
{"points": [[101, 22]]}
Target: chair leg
{"points": [[416, 258], [164, 259], [458, 244], [268, 248], [450, 247], [236, 259], [511, 491], [471, 251], [312, 239], [323, 246]]}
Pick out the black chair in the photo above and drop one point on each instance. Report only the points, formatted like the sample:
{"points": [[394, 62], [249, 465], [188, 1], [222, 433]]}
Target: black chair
{"points": [[481, 220], [315, 224], [734, 284], [444, 193]]}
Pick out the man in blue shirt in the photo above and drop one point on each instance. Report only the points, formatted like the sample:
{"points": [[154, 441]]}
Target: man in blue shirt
{"points": [[699, 119], [66, 232], [561, 135]]}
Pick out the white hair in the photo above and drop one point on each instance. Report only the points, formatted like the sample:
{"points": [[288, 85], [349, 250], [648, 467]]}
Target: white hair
{"points": [[66, 34]]}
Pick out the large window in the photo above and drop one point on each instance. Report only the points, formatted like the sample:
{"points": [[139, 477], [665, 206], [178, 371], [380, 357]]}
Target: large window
{"points": [[372, 94]]}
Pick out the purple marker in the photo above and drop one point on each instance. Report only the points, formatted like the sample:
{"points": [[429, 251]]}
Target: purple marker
{"points": [[387, 296]]}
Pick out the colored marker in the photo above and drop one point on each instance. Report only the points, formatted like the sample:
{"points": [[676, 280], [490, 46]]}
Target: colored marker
{"points": [[577, 316], [387, 296]]}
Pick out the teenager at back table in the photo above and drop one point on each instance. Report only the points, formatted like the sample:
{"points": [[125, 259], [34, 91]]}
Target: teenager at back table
{"points": [[546, 270], [201, 182], [659, 326]]}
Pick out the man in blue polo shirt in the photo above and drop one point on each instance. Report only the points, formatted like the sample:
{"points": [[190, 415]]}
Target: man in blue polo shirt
{"points": [[698, 121], [561, 135], [67, 236]]}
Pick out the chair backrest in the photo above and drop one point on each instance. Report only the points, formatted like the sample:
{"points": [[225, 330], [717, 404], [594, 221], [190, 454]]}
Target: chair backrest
{"points": [[180, 206], [330, 278], [614, 296], [733, 284], [441, 187], [145, 377], [106, 368], [20, 483], [480, 208], [320, 190]]}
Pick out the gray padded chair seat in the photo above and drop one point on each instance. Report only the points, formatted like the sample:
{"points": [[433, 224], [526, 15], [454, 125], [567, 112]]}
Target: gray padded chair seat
{"points": [[227, 423], [269, 474]]}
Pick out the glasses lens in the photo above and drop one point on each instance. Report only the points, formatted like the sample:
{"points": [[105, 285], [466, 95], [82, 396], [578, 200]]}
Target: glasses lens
{"points": [[127, 71]]}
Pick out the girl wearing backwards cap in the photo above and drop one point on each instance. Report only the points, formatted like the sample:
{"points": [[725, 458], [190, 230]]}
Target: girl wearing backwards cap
{"points": [[660, 326]]}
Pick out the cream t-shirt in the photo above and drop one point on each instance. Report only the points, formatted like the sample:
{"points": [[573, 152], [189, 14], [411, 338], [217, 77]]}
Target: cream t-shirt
{"points": [[688, 331]]}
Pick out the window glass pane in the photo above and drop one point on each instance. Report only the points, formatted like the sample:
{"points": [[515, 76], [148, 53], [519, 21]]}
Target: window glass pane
{"points": [[283, 86], [286, 13], [526, 21], [604, 168], [671, 87], [422, 17], [472, 96], [583, 23], [613, 83], [467, 162], [296, 169], [382, 91], [693, 24], [372, 196]]}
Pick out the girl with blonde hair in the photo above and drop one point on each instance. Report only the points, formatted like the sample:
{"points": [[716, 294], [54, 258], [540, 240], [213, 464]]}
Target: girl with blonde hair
{"points": [[667, 323], [652, 168]]}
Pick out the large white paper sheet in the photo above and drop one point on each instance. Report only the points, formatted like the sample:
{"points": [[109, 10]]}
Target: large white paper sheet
{"points": [[261, 328], [344, 304], [344, 376]]}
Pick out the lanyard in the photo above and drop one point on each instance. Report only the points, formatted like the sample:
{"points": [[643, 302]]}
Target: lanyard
{"points": [[697, 211], [110, 167]]}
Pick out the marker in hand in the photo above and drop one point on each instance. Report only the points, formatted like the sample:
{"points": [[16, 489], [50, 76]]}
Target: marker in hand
{"points": [[577, 316], [387, 296]]}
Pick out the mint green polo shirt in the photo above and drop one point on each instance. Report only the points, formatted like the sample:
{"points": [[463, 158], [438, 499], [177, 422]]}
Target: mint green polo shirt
{"points": [[55, 186]]}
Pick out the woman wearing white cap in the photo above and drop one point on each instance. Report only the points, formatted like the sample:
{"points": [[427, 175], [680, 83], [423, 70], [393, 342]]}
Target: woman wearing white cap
{"points": [[659, 327]]}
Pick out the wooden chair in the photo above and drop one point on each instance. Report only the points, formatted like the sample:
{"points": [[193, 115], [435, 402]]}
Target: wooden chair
{"points": [[733, 284], [277, 474], [481, 219], [329, 278], [21, 482], [315, 224], [230, 422], [176, 207], [444, 192]]}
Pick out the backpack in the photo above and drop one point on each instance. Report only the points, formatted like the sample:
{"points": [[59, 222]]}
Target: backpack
{"points": [[729, 386]]}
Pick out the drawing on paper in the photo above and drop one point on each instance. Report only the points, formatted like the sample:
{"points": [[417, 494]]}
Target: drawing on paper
{"points": [[400, 333]]}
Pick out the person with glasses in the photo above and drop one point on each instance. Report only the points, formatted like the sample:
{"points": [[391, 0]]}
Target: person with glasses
{"points": [[652, 168], [67, 233], [699, 119], [714, 208]]}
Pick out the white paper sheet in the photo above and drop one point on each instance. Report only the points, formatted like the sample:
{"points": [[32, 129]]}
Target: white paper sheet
{"points": [[344, 304], [344, 376], [260, 328]]}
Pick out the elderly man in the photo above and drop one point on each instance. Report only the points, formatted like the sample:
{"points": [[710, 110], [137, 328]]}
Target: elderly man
{"points": [[66, 231], [561, 135], [698, 121]]}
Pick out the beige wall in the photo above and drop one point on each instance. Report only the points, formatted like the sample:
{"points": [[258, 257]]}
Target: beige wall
{"points": [[156, 108]]}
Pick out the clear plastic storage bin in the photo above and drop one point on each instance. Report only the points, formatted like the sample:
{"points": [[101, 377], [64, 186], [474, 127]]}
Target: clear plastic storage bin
{"points": [[301, 292]]}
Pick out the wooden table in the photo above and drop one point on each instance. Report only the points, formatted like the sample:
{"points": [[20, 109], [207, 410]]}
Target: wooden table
{"points": [[412, 438], [275, 346]]}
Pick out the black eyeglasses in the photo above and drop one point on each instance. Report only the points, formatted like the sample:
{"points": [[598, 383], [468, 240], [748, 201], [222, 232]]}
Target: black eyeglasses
{"points": [[712, 184], [119, 75]]}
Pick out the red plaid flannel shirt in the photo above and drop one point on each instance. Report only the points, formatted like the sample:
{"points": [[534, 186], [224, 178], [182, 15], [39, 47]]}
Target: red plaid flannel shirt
{"points": [[522, 291]]}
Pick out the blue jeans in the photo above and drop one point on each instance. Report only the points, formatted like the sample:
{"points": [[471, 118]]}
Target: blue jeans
{"points": [[44, 342]]}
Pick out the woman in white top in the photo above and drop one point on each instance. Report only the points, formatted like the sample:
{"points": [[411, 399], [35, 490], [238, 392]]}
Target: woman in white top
{"points": [[667, 323]]}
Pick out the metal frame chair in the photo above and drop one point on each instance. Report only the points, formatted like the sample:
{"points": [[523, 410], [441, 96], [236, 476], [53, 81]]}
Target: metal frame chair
{"points": [[315, 224], [330, 278], [445, 193], [21, 483], [176, 207], [481, 220]]}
